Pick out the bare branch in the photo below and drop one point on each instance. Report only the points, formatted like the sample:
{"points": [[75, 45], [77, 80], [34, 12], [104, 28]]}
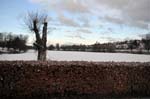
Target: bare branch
{"points": [[38, 23], [35, 17]]}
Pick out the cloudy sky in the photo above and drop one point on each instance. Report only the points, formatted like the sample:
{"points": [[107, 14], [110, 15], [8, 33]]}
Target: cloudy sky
{"points": [[80, 21]]}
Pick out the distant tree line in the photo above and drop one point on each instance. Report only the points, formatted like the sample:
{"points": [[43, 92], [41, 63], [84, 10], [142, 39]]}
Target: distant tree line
{"points": [[132, 46], [146, 41], [106, 47], [13, 43], [138, 45], [74, 47], [17, 43], [97, 47]]}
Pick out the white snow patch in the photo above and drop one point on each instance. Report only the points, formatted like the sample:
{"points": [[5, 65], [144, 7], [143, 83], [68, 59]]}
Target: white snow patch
{"points": [[79, 56]]}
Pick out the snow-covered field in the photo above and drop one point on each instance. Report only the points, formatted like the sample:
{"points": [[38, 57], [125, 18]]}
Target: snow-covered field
{"points": [[79, 56]]}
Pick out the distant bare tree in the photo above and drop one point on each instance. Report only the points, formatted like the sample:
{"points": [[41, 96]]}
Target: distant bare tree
{"points": [[38, 23], [146, 41]]}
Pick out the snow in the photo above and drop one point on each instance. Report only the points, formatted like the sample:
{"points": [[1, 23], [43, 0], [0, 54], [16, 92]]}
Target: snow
{"points": [[79, 56], [30, 55]]}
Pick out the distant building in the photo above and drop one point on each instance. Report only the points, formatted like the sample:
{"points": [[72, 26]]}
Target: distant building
{"points": [[121, 46], [141, 46]]}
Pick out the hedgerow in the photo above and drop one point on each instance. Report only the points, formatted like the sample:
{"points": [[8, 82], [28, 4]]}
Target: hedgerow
{"points": [[45, 79]]}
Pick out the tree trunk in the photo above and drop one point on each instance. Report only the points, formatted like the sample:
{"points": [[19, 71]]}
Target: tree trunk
{"points": [[41, 42], [42, 50], [41, 55]]}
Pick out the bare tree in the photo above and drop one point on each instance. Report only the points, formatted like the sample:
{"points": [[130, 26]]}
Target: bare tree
{"points": [[38, 23]]}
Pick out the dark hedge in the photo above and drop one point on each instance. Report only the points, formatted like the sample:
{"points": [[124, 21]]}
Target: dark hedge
{"points": [[74, 79]]}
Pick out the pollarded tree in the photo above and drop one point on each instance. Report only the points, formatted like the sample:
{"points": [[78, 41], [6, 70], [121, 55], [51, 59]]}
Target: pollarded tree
{"points": [[38, 23]]}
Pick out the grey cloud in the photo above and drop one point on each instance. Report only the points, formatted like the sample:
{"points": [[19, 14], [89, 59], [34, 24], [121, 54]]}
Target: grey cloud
{"points": [[139, 13], [67, 21], [139, 24], [85, 20], [110, 39], [75, 6], [84, 31], [114, 20], [128, 12], [134, 13], [114, 3], [139, 10], [75, 36], [110, 30], [35, 1]]}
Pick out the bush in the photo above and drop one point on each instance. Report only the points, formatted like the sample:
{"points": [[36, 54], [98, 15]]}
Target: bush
{"points": [[53, 78]]}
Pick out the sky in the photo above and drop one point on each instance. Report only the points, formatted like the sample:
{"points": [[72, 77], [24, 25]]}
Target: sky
{"points": [[80, 21]]}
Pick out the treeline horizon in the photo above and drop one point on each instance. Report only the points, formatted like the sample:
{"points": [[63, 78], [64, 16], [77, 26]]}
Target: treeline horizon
{"points": [[19, 44], [14, 43]]}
